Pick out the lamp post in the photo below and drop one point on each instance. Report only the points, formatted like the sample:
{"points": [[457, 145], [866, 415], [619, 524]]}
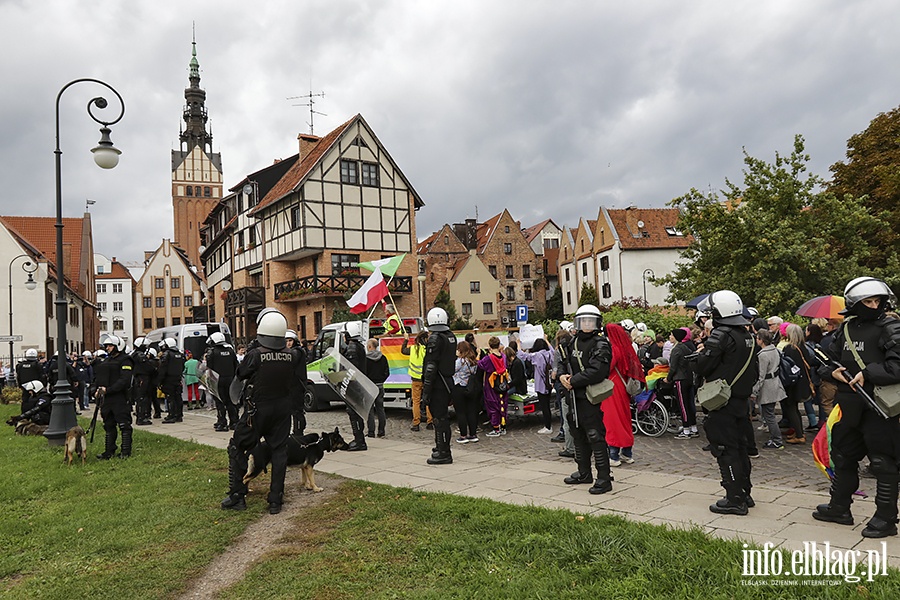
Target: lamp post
{"points": [[62, 415], [644, 277], [29, 267]]}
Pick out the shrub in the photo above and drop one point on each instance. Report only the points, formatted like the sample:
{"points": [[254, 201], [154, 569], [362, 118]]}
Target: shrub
{"points": [[11, 394]]}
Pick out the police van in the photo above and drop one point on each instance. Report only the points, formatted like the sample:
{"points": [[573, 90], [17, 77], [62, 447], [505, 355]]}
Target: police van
{"points": [[190, 336]]}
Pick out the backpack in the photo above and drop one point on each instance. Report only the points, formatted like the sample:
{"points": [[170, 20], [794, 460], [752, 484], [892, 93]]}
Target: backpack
{"points": [[501, 382], [788, 370]]}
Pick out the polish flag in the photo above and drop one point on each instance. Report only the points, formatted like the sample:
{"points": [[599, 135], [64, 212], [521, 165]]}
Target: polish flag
{"points": [[370, 294]]}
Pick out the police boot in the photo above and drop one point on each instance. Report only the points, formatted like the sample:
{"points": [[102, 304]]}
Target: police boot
{"points": [[359, 437], [603, 483], [884, 523], [235, 499], [442, 441], [734, 502], [110, 448], [126, 442], [583, 474]]}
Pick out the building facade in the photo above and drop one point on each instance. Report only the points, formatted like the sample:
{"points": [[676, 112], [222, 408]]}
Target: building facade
{"points": [[167, 291], [115, 298]]}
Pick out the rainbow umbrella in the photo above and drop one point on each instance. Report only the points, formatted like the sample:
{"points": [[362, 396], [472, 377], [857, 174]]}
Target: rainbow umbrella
{"points": [[822, 307]]}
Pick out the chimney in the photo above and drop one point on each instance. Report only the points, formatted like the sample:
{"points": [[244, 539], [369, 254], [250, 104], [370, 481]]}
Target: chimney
{"points": [[307, 143]]}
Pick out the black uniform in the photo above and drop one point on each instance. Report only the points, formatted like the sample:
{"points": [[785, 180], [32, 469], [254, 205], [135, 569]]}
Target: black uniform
{"points": [[223, 360], [35, 408], [271, 377], [30, 370], [585, 420], [438, 367], [356, 354], [145, 372], [861, 431], [171, 369], [115, 374], [724, 354]]}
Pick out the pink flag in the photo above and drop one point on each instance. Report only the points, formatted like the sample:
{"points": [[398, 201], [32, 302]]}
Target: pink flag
{"points": [[372, 291]]}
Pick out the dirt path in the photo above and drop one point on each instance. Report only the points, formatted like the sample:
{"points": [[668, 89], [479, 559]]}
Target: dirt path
{"points": [[261, 536]]}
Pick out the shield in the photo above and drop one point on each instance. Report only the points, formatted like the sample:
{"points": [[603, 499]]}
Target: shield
{"points": [[210, 380], [822, 307], [236, 391], [695, 303], [351, 385]]}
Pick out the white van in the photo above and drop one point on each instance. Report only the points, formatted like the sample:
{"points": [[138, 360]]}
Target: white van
{"points": [[191, 336]]}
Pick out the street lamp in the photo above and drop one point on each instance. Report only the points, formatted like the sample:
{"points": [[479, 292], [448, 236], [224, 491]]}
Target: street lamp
{"points": [[29, 267], [62, 415], [644, 277]]}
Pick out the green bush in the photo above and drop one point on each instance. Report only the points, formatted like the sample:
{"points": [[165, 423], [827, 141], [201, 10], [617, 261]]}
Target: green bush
{"points": [[11, 394]]}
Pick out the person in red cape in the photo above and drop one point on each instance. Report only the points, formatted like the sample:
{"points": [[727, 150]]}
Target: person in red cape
{"points": [[617, 408]]}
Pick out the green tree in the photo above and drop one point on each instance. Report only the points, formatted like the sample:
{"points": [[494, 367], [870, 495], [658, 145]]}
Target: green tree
{"points": [[554, 310], [588, 295], [776, 241], [443, 300], [872, 174], [342, 313]]}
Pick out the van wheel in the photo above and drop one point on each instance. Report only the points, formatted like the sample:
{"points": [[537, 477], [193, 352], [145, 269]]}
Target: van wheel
{"points": [[310, 404]]}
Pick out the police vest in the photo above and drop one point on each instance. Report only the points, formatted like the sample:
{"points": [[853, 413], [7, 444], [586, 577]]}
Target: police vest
{"points": [[416, 359]]}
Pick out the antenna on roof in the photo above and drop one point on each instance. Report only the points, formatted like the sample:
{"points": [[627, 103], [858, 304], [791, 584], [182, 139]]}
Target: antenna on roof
{"points": [[310, 102]]}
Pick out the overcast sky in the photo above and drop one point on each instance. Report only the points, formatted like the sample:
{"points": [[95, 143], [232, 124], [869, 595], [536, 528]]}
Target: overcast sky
{"points": [[547, 108]]}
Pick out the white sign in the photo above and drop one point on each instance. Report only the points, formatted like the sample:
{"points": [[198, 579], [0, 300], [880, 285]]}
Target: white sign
{"points": [[10, 338]]}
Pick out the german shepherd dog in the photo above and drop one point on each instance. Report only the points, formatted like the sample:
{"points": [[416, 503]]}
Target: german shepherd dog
{"points": [[305, 451], [75, 445]]}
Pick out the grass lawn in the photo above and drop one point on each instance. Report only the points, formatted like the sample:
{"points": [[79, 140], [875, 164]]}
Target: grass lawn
{"points": [[144, 527]]}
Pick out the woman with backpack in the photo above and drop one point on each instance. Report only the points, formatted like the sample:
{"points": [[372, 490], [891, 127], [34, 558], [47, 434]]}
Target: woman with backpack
{"points": [[768, 388], [800, 390], [466, 392], [497, 384], [541, 358]]}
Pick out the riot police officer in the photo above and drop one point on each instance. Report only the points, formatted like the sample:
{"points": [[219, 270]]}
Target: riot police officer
{"points": [[171, 368], [145, 371], [438, 367], [868, 347], [113, 379], [729, 353], [30, 370], [355, 352], [36, 404], [588, 357], [298, 413], [270, 372], [221, 358]]}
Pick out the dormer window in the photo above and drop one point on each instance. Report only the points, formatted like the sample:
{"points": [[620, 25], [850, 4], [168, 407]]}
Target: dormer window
{"points": [[674, 232]]}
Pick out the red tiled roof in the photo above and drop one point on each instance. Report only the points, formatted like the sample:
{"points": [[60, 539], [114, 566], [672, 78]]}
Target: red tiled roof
{"points": [[117, 271], [653, 234], [41, 233], [423, 246], [457, 267], [486, 230]]}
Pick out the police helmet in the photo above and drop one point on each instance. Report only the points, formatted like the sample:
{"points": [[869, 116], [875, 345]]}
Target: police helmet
{"points": [[217, 339], [589, 319], [290, 334], [170, 343], [566, 325], [115, 341], [726, 308], [437, 319], [263, 313], [865, 287], [627, 324], [642, 327], [139, 342], [700, 317], [270, 330], [35, 387], [151, 352], [752, 312], [86, 354], [31, 353], [101, 353]]}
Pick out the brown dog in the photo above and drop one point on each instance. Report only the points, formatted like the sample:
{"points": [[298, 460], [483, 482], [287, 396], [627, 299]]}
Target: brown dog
{"points": [[75, 445]]}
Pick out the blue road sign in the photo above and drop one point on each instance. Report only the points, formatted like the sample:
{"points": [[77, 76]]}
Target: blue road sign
{"points": [[521, 313]]}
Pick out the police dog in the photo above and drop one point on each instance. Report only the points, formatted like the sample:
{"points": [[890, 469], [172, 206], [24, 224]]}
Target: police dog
{"points": [[305, 451], [75, 445]]}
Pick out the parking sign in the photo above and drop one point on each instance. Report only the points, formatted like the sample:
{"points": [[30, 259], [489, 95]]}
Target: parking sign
{"points": [[521, 313]]}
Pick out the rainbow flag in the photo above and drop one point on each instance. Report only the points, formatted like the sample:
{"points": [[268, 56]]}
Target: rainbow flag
{"points": [[655, 374], [821, 446], [397, 361]]}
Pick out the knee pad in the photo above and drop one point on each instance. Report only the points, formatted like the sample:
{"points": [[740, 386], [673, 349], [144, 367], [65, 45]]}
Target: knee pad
{"points": [[884, 468], [125, 426], [842, 463], [233, 451], [717, 450], [594, 436]]}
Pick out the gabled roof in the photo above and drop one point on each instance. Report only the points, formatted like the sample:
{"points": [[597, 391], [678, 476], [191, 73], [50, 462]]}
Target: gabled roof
{"points": [[648, 228], [457, 267], [425, 244], [295, 176], [116, 271], [486, 231], [40, 232], [532, 232]]}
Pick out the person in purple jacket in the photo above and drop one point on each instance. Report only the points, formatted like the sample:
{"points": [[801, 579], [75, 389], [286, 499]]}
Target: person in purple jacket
{"points": [[541, 358]]}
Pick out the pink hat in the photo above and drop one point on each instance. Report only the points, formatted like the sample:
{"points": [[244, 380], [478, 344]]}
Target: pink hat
{"points": [[782, 329]]}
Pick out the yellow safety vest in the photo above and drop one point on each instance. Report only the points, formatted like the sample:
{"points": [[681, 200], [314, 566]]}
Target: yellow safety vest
{"points": [[416, 360]]}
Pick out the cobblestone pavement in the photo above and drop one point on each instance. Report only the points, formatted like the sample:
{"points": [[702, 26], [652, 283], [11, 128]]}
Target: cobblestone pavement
{"points": [[791, 468]]}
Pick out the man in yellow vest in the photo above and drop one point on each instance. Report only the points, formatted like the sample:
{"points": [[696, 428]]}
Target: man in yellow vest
{"points": [[416, 359], [392, 323]]}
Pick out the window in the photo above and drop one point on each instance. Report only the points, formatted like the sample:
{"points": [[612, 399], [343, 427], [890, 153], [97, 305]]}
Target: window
{"points": [[176, 320], [343, 262], [487, 308], [467, 309], [568, 297], [511, 316], [176, 301], [207, 191], [160, 302], [507, 248], [474, 287], [102, 306], [526, 271], [251, 235], [197, 190], [528, 292], [103, 325], [101, 287], [551, 243], [506, 229], [188, 320], [240, 239], [607, 290], [493, 271], [117, 288], [370, 174], [584, 269], [566, 273], [509, 272], [348, 171], [99, 269], [159, 283], [190, 191], [160, 322], [118, 324], [256, 279], [73, 316], [148, 302], [188, 301], [510, 292], [317, 321], [176, 283], [117, 307], [296, 221], [672, 231], [604, 263], [148, 323]]}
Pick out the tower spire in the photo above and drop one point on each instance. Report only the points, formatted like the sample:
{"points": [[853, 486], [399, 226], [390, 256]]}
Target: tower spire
{"points": [[195, 116]]}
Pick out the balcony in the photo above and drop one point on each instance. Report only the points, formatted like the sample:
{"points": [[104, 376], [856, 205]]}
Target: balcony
{"points": [[320, 286]]}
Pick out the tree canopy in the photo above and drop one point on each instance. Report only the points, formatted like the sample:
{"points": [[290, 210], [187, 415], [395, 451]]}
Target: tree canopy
{"points": [[588, 295], [777, 240]]}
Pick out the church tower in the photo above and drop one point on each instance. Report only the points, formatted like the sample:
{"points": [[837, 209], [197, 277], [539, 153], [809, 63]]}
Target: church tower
{"points": [[196, 169]]}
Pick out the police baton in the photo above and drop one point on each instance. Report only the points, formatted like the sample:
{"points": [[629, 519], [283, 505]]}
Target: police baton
{"points": [[98, 401], [856, 387]]}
